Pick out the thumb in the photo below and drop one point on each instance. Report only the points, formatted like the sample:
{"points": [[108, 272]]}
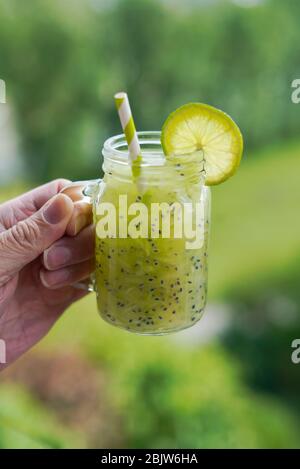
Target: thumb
{"points": [[26, 240]]}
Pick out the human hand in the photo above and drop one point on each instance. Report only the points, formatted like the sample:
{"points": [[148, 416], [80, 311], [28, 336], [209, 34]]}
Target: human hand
{"points": [[39, 263]]}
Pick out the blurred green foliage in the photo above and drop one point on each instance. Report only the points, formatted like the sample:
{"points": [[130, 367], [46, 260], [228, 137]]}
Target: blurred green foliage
{"points": [[168, 394], [195, 399], [255, 241], [24, 423], [255, 233], [266, 320], [63, 61]]}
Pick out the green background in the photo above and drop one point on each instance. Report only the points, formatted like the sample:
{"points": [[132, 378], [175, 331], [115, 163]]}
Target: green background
{"points": [[228, 382]]}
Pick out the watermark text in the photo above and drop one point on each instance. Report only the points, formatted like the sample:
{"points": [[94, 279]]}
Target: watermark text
{"points": [[2, 92], [2, 351], [295, 357], [174, 220], [295, 96]]}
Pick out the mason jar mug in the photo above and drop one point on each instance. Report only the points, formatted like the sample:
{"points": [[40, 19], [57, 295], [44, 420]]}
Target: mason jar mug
{"points": [[151, 239]]}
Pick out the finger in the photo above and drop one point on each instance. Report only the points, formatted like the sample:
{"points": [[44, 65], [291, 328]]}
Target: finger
{"points": [[22, 207], [82, 215], [75, 190], [67, 275], [26, 240], [68, 251], [63, 296]]}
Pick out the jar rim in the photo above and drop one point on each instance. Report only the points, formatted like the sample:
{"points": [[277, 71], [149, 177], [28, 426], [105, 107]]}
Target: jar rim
{"points": [[115, 148]]}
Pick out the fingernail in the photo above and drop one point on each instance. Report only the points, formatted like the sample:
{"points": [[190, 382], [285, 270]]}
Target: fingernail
{"points": [[57, 209], [57, 257], [51, 279]]}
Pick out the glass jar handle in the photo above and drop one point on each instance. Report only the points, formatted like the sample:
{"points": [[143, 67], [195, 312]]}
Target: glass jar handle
{"points": [[81, 192]]}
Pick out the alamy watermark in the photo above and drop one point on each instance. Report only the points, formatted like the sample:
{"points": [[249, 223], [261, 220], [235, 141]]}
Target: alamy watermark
{"points": [[295, 357], [295, 96], [2, 92], [155, 220], [2, 351]]}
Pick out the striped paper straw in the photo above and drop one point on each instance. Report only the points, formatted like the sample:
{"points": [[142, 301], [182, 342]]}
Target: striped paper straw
{"points": [[129, 130]]}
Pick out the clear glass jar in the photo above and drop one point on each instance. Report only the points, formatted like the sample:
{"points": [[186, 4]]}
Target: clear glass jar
{"points": [[148, 284]]}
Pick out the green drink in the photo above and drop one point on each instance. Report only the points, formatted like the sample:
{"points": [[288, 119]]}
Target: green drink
{"points": [[150, 285]]}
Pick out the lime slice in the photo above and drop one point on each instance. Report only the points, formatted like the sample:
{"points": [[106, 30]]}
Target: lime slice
{"points": [[200, 130]]}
